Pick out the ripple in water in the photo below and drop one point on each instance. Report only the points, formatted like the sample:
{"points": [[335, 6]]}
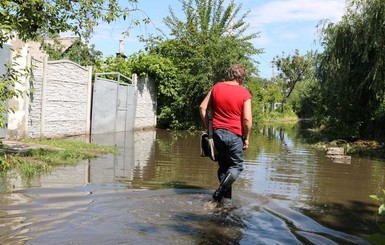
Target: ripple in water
{"points": [[94, 215]]}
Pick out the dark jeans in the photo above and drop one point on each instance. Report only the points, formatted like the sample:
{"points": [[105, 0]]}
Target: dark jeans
{"points": [[230, 153]]}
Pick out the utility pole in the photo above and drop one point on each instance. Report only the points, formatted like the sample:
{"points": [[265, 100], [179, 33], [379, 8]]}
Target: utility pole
{"points": [[120, 53]]}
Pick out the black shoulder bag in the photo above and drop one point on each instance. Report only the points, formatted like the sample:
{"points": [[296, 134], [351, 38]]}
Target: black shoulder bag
{"points": [[207, 142]]}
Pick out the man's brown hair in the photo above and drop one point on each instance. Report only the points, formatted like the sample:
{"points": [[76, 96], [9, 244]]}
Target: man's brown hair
{"points": [[237, 72]]}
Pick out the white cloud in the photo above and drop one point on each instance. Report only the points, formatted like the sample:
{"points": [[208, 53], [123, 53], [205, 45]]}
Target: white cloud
{"points": [[286, 25], [297, 10]]}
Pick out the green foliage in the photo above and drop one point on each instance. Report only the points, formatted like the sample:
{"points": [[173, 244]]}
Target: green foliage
{"points": [[305, 99], [292, 70], [32, 19], [165, 74], [277, 116], [159, 68], [88, 150], [50, 153], [381, 199], [273, 93], [8, 82], [202, 47], [79, 53], [351, 70], [113, 64], [377, 238], [265, 94], [255, 86], [378, 122], [28, 169]]}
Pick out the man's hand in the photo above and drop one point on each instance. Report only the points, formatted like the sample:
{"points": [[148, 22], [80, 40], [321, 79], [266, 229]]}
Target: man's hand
{"points": [[245, 144]]}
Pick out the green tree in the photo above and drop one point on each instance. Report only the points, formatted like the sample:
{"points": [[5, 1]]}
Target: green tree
{"points": [[351, 70], [161, 69], [256, 87], [305, 98], [202, 46], [32, 19], [274, 93], [292, 69], [79, 52]]}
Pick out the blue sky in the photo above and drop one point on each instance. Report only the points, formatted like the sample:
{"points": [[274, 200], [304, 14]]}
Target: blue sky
{"points": [[284, 25]]}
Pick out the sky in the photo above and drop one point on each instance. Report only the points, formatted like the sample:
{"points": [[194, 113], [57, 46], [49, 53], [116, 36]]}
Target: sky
{"points": [[283, 26]]}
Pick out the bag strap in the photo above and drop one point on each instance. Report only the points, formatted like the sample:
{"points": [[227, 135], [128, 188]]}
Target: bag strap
{"points": [[211, 118]]}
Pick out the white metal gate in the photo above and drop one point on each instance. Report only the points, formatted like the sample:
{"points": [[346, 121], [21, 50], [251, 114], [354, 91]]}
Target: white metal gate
{"points": [[113, 103]]}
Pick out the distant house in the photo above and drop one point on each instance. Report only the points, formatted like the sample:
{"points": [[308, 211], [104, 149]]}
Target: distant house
{"points": [[35, 50]]}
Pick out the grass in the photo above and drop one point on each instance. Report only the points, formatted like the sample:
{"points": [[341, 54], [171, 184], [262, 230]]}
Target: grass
{"points": [[45, 154]]}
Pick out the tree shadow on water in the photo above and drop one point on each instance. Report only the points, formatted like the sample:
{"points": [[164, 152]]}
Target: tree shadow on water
{"points": [[356, 218], [180, 185]]}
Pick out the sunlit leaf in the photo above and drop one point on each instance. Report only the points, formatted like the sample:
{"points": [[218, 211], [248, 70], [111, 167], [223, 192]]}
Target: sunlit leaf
{"points": [[375, 197], [381, 210]]}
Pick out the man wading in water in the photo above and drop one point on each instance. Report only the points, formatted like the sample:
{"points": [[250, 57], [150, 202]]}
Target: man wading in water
{"points": [[232, 121]]}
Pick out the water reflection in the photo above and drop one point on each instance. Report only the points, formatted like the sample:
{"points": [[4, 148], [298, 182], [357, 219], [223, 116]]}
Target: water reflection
{"points": [[307, 180], [135, 150], [157, 190]]}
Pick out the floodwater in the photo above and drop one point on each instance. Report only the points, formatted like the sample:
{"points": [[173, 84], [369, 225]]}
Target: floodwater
{"points": [[157, 190]]}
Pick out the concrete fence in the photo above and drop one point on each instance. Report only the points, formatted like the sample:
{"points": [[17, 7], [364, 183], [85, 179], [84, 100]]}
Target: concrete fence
{"points": [[60, 101]]}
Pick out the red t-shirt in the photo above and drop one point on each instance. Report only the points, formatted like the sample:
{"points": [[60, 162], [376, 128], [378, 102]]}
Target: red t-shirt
{"points": [[227, 103]]}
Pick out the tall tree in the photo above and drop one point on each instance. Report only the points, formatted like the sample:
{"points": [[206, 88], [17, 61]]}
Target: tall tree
{"points": [[291, 70], [351, 69], [202, 46]]}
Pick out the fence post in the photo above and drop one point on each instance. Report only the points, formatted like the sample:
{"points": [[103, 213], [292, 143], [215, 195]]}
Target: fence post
{"points": [[134, 79], [26, 97], [43, 97], [89, 100]]}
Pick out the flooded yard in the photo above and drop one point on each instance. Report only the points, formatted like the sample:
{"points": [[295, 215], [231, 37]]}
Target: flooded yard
{"points": [[158, 189]]}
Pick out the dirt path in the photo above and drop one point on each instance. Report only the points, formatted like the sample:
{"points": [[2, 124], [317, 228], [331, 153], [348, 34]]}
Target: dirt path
{"points": [[10, 146]]}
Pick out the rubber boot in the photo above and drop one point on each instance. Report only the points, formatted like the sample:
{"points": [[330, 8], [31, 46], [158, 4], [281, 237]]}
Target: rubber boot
{"points": [[227, 194], [224, 187]]}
